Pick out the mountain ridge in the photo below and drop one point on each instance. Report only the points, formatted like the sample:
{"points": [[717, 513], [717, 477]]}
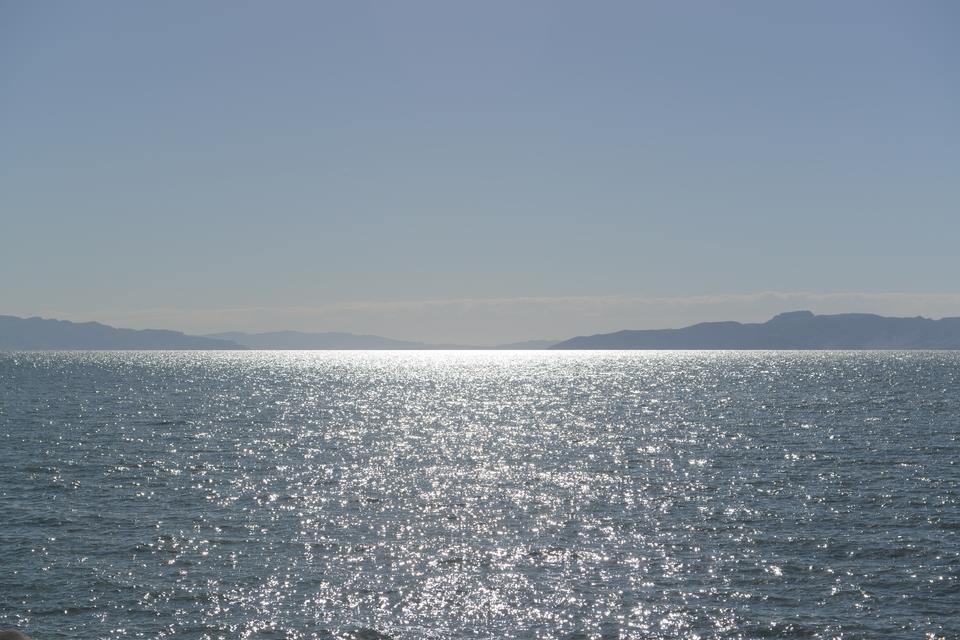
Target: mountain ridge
{"points": [[41, 334], [790, 330]]}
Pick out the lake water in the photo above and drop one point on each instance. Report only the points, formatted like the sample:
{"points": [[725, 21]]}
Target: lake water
{"points": [[480, 495]]}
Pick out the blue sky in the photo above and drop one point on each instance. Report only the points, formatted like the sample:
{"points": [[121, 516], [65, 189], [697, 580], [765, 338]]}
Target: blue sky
{"points": [[477, 172]]}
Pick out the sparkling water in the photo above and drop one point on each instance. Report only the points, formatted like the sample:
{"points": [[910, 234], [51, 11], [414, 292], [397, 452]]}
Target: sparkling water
{"points": [[480, 494]]}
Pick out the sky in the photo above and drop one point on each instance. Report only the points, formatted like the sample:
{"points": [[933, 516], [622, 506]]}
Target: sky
{"points": [[477, 172]]}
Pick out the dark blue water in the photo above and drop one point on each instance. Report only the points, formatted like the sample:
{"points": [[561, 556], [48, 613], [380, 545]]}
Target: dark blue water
{"points": [[480, 495]]}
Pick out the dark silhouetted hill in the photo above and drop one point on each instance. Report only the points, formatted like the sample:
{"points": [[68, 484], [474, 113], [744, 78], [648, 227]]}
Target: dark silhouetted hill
{"points": [[795, 330], [28, 334]]}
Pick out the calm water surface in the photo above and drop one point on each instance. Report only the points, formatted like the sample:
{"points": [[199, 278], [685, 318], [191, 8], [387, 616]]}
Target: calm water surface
{"points": [[480, 495]]}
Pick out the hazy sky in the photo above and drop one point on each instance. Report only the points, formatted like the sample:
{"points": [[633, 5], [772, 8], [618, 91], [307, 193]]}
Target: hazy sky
{"points": [[477, 172]]}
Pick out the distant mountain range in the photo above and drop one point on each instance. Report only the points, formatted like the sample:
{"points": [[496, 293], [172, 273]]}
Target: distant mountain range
{"points": [[41, 334], [795, 330]]}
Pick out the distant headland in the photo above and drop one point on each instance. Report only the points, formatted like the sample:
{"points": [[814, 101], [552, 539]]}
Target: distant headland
{"points": [[40, 334], [794, 330]]}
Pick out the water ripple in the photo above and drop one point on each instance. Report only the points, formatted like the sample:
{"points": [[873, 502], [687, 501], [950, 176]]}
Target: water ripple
{"points": [[480, 495]]}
